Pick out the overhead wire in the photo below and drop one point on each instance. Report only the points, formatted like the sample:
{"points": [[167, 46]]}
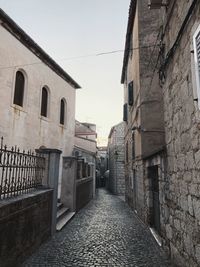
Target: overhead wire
{"points": [[78, 57]]}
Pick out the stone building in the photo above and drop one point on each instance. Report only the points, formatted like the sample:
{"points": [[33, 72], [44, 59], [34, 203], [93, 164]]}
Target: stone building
{"points": [[85, 147], [101, 166], [161, 77], [179, 77], [37, 107], [116, 181], [144, 132]]}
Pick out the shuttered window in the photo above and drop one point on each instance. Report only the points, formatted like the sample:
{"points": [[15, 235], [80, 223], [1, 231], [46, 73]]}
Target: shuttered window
{"points": [[196, 43], [125, 114], [198, 53], [130, 94], [133, 145]]}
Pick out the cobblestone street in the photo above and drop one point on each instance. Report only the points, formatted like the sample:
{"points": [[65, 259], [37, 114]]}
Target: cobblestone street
{"points": [[104, 233]]}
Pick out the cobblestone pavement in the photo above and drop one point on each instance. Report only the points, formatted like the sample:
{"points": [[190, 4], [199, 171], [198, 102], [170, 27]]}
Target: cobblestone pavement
{"points": [[104, 233]]}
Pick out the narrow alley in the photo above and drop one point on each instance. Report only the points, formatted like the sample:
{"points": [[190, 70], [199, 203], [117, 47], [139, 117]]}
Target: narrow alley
{"points": [[104, 233]]}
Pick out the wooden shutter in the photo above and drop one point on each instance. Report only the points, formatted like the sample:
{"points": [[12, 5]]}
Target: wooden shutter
{"points": [[125, 115], [198, 53], [130, 94], [196, 43]]}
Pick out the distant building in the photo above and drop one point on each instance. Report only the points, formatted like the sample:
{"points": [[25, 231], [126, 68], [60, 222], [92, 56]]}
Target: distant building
{"points": [[102, 165], [37, 107], [85, 148], [116, 181]]}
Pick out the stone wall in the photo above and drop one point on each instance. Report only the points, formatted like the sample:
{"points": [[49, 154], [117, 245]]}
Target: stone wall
{"points": [[25, 222], [144, 130], [116, 182], [182, 117], [84, 192]]}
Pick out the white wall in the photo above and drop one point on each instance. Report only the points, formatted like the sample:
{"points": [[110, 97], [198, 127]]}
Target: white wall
{"points": [[24, 127], [86, 144]]}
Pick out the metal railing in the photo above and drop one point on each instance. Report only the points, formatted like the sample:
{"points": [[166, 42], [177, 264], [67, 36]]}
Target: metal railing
{"points": [[20, 172]]}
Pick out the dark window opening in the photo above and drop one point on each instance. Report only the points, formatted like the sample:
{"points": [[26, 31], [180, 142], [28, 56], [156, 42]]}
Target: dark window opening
{"points": [[19, 89], [44, 102], [125, 115], [130, 94], [133, 146], [127, 152], [62, 112]]}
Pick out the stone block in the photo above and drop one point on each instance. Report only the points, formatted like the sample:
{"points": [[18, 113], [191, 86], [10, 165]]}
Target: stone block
{"points": [[197, 253], [190, 205], [196, 205]]}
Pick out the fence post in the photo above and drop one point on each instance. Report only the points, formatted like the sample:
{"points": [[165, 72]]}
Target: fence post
{"points": [[53, 159], [69, 176]]}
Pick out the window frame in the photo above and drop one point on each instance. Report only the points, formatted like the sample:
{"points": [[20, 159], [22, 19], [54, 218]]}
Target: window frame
{"points": [[48, 103], [131, 93], [24, 102], [125, 112], [65, 112], [197, 68]]}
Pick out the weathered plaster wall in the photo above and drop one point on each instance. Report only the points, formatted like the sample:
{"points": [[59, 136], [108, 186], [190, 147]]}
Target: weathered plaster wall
{"points": [[85, 144], [24, 126]]}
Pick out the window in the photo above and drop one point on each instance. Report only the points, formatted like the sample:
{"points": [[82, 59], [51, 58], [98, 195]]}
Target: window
{"points": [[133, 145], [127, 152], [44, 102], [125, 115], [19, 89], [196, 42], [130, 94], [62, 111]]}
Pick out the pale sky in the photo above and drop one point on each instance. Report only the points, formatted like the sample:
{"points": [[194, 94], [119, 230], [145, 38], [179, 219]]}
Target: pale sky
{"points": [[66, 29]]}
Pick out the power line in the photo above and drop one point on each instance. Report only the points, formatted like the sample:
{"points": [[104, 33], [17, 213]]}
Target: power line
{"points": [[79, 57]]}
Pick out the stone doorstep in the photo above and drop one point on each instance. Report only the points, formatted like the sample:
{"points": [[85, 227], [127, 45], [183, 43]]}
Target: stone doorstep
{"points": [[61, 212], [63, 216], [156, 236], [62, 222]]}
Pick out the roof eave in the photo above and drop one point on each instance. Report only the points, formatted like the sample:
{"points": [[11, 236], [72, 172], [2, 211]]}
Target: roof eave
{"points": [[26, 40], [132, 10]]}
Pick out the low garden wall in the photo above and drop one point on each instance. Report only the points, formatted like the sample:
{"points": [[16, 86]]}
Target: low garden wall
{"points": [[84, 192], [25, 222]]}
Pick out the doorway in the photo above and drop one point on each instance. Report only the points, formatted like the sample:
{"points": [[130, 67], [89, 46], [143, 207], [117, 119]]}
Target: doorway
{"points": [[154, 187]]}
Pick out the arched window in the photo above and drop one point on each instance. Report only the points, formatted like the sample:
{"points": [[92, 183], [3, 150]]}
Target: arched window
{"points": [[19, 89], [44, 102], [62, 111]]}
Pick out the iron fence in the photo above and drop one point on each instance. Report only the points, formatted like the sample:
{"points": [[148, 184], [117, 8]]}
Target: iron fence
{"points": [[20, 171]]}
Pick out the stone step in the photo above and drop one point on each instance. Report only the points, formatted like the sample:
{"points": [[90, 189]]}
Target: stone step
{"points": [[61, 212], [63, 221]]}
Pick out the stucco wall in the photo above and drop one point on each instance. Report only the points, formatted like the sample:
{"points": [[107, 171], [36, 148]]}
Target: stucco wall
{"points": [[85, 144], [24, 126]]}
